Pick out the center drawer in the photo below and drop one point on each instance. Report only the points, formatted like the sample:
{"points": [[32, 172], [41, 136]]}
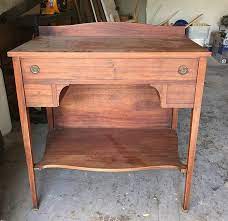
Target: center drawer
{"points": [[82, 71]]}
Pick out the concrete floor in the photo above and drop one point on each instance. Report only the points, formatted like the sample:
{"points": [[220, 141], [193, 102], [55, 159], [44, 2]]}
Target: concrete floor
{"points": [[151, 195]]}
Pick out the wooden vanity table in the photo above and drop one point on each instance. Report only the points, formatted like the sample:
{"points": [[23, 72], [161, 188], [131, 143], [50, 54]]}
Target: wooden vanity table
{"points": [[112, 93]]}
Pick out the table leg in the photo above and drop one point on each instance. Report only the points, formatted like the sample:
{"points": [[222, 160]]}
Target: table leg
{"points": [[50, 118], [25, 126], [174, 118], [194, 130]]}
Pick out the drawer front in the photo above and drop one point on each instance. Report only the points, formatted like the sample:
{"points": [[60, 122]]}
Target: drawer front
{"points": [[109, 70], [171, 95], [38, 95], [180, 95], [44, 79]]}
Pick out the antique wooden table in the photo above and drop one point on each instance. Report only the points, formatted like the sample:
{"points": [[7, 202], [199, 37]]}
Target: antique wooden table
{"points": [[112, 93]]}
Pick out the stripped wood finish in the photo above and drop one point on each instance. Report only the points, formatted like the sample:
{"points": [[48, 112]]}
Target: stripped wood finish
{"points": [[113, 29], [26, 131], [194, 130], [109, 70], [50, 118], [175, 118], [115, 106], [110, 47], [111, 150], [112, 92]]}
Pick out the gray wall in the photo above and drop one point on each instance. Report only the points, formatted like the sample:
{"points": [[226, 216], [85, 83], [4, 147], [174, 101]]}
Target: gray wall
{"points": [[128, 7]]}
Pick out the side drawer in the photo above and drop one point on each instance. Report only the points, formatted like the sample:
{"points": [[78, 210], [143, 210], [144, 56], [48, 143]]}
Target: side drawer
{"points": [[99, 71], [171, 95], [180, 95], [38, 95], [43, 95]]}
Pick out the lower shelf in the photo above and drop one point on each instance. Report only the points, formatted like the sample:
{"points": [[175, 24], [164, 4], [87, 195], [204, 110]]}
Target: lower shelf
{"points": [[111, 150]]}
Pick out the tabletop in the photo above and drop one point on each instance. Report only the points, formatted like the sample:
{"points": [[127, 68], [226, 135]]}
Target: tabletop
{"points": [[82, 40]]}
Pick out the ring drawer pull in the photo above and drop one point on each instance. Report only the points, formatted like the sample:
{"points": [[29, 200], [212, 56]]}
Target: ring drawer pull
{"points": [[35, 69], [183, 70]]}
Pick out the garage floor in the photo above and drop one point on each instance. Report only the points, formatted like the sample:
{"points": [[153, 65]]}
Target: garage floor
{"points": [[151, 195]]}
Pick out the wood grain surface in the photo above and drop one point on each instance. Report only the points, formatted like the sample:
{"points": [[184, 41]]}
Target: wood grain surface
{"points": [[26, 130], [117, 106], [195, 119], [110, 39], [113, 70], [113, 29], [114, 84], [103, 46], [111, 150]]}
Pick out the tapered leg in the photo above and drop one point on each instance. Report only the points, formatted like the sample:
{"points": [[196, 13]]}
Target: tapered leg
{"points": [[50, 118], [194, 130], [25, 126], [174, 118], [191, 156]]}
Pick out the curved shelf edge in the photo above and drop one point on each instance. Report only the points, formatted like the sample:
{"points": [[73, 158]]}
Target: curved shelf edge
{"points": [[111, 150], [180, 167]]}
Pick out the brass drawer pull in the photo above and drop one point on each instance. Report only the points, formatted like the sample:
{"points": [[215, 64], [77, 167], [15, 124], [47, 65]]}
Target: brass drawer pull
{"points": [[183, 70], [35, 69]]}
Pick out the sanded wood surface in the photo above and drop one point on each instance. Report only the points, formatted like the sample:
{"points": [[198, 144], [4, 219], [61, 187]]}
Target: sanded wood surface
{"points": [[118, 106], [110, 39], [26, 130], [90, 45], [175, 89], [112, 70], [108, 79], [50, 118], [195, 118], [111, 150], [113, 29]]}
